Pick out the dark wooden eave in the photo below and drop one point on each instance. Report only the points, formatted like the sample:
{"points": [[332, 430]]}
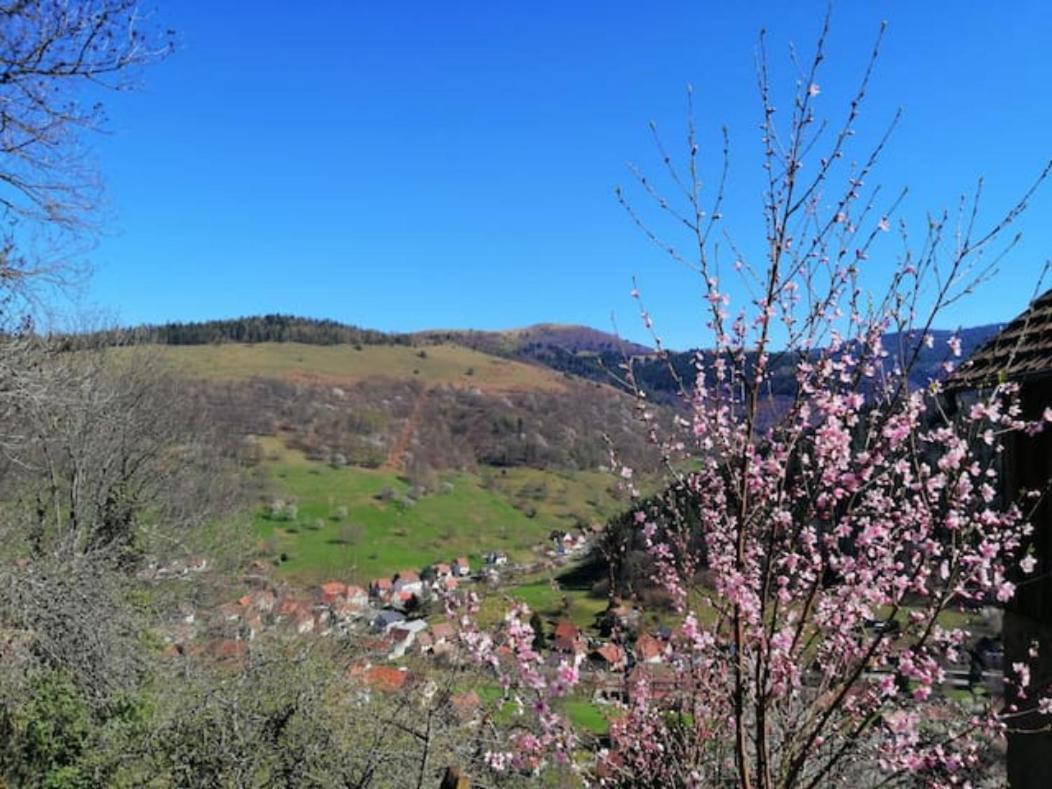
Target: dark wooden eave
{"points": [[1022, 351]]}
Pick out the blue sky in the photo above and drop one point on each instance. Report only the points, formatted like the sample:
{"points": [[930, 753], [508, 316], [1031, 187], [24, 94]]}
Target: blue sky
{"points": [[407, 165]]}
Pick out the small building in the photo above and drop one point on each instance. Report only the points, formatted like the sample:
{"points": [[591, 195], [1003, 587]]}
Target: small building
{"points": [[568, 639], [386, 679], [608, 657], [405, 600], [650, 649], [387, 619], [408, 581], [461, 566], [404, 634], [1022, 353], [331, 591], [380, 588], [357, 596]]}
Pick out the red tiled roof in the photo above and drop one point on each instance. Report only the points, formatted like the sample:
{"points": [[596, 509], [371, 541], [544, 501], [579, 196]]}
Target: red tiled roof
{"points": [[385, 678], [648, 647], [330, 590], [611, 653], [575, 645], [566, 629]]}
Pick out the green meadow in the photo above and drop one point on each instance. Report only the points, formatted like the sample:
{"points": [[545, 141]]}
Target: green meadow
{"points": [[346, 364], [356, 524]]}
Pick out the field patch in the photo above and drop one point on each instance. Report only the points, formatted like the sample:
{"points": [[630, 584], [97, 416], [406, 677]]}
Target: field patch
{"points": [[433, 365], [356, 524]]}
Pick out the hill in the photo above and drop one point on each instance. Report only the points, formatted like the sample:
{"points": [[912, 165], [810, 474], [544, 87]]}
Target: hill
{"points": [[344, 364], [526, 343], [412, 408], [658, 376]]}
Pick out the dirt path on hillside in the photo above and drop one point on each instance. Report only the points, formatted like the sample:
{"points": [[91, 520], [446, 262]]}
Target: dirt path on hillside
{"points": [[401, 446]]}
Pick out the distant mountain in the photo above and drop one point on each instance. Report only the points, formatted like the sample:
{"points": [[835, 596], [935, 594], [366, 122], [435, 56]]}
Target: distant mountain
{"points": [[660, 378], [572, 350], [538, 339]]}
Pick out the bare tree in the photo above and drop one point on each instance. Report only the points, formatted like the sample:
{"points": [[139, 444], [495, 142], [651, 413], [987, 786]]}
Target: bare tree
{"points": [[54, 54], [110, 448]]}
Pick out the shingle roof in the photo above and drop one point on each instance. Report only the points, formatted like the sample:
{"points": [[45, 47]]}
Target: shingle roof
{"points": [[1023, 349]]}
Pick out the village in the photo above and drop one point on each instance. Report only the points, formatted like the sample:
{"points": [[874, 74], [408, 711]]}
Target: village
{"points": [[400, 626], [400, 619]]}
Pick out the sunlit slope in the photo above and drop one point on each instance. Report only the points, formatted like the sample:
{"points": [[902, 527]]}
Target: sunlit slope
{"points": [[358, 524], [347, 364]]}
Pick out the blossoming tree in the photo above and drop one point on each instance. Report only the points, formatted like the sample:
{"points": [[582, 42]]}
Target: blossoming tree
{"points": [[833, 529]]}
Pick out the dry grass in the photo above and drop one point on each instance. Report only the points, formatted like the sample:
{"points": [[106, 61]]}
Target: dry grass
{"points": [[450, 365]]}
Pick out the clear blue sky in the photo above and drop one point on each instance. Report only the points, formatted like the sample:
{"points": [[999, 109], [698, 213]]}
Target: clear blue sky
{"points": [[405, 165]]}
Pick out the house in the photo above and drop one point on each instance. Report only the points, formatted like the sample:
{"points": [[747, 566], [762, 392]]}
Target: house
{"points": [[568, 639], [298, 614], [405, 601], [650, 649], [564, 628], [331, 591], [461, 566], [442, 570], [345, 611], [383, 678], [404, 635], [408, 581], [380, 588], [356, 595], [495, 558], [386, 619], [608, 657], [1021, 353]]}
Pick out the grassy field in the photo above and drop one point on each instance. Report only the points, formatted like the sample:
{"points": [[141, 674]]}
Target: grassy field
{"points": [[344, 364], [551, 602], [357, 524]]}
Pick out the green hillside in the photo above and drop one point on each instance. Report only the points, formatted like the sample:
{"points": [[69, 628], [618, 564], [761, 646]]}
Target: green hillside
{"points": [[357, 524], [347, 364]]}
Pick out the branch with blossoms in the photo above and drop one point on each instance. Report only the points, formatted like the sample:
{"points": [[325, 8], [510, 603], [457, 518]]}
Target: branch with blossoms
{"points": [[830, 531]]}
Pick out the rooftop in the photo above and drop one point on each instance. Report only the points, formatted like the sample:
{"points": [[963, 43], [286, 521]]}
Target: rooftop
{"points": [[1023, 349]]}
